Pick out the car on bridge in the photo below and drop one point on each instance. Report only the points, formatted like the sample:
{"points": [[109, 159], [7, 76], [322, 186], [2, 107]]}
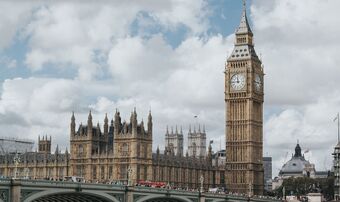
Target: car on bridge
{"points": [[74, 179]]}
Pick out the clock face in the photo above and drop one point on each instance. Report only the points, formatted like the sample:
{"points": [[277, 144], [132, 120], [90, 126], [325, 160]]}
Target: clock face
{"points": [[237, 81], [258, 82]]}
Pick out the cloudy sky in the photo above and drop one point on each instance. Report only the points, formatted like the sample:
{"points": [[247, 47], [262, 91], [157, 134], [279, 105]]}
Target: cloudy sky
{"points": [[169, 56]]}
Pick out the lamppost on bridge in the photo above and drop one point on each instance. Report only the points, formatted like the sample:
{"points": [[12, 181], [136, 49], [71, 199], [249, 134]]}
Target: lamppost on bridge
{"points": [[26, 171], [250, 193], [16, 160], [201, 181], [129, 172]]}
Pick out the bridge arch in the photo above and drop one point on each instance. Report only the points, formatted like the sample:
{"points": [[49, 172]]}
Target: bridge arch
{"points": [[62, 195], [162, 198]]}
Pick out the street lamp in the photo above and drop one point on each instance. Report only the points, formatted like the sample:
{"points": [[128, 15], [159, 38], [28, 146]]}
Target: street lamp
{"points": [[16, 160], [129, 172], [26, 171], [201, 180], [250, 194]]}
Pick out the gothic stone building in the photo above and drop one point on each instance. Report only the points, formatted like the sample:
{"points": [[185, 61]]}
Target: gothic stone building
{"points": [[36, 165], [108, 153], [244, 114]]}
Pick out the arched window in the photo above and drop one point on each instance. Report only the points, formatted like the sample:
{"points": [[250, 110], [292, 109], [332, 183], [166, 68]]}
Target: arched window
{"points": [[80, 150], [125, 149], [102, 172], [94, 172], [194, 149]]}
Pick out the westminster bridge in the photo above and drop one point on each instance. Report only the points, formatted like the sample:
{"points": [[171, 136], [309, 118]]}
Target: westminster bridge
{"points": [[19, 190]]}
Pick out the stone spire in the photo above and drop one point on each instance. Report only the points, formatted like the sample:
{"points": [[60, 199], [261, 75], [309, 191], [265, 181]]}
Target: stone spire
{"points": [[117, 122], [56, 149], [244, 27], [106, 125], [150, 123], [72, 126], [89, 125]]}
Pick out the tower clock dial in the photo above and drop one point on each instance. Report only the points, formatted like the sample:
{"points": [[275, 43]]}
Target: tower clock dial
{"points": [[237, 81], [258, 82]]}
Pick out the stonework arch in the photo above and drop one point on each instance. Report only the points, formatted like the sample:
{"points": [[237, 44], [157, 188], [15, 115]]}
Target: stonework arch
{"points": [[162, 198], [61, 194]]}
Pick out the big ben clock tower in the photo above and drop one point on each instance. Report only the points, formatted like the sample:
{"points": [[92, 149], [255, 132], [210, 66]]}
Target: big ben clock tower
{"points": [[244, 114]]}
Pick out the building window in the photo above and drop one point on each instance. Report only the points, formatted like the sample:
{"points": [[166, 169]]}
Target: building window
{"points": [[145, 172], [102, 172], [61, 172], [145, 150], [94, 172], [110, 172], [194, 149], [125, 149], [123, 172], [80, 150], [80, 171]]}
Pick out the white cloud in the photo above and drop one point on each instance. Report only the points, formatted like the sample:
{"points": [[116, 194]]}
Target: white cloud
{"points": [[73, 33], [298, 42], [311, 124], [13, 19]]}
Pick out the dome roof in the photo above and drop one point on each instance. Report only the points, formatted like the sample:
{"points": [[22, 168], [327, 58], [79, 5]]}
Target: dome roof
{"points": [[296, 164]]}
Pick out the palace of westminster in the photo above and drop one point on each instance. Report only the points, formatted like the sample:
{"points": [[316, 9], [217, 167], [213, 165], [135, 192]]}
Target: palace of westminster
{"points": [[121, 150]]}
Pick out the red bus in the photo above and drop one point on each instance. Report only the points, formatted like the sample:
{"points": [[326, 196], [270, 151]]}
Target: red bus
{"points": [[152, 184]]}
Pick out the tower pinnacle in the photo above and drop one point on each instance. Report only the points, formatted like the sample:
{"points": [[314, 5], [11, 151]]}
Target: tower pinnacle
{"points": [[244, 27]]}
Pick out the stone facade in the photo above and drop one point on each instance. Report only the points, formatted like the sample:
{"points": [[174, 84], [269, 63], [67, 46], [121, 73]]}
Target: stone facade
{"points": [[174, 141], [244, 114], [197, 141], [115, 152], [36, 165]]}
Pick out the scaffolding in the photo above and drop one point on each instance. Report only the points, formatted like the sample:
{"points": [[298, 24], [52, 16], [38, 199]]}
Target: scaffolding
{"points": [[14, 145]]}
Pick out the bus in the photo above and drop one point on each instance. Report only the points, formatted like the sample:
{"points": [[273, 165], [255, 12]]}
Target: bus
{"points": [[152, 184]]}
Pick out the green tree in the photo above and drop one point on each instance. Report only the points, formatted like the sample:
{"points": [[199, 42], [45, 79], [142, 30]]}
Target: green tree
{"points": [[303, 185]]}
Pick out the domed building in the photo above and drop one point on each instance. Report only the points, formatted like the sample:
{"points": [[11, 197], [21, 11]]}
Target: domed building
{"points": [[297, 166]]}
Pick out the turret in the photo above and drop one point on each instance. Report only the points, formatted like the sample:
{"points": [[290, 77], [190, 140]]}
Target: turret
{"points": [[89, 126], [106, 125], [72, 126], [117, 123], [56, 151], [44, 145], [98, 128], [134, 123], [142, 127], [150, 124], [209, 156]]}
